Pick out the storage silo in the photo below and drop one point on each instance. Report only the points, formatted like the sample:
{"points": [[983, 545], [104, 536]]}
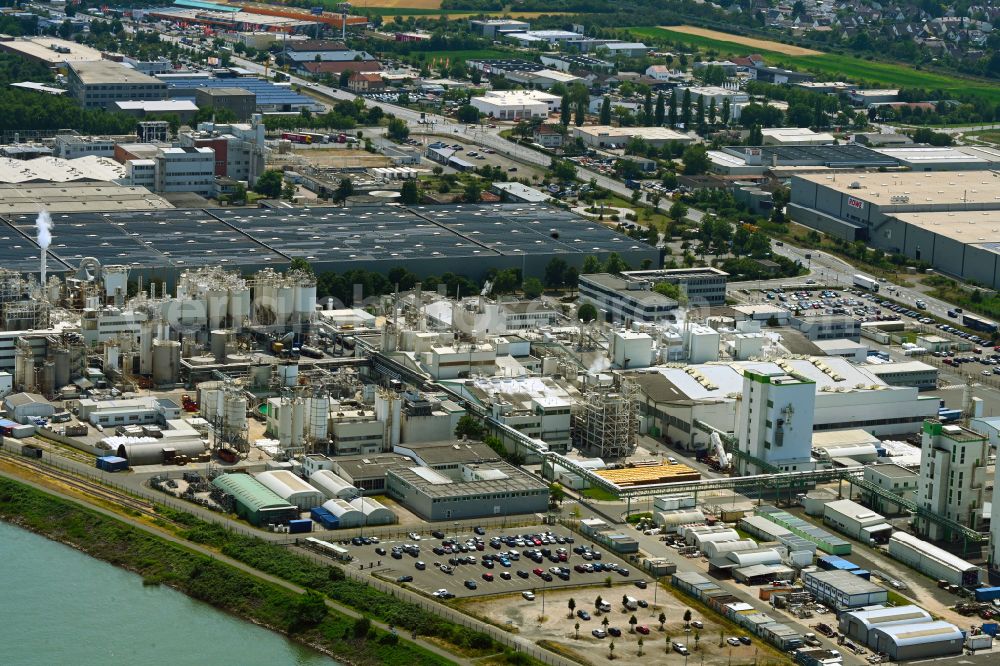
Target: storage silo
{"points": [[166, 362], [291, 488], [298, 408], [219, 337], [288, 373], [317, 422], [375, 513], [47, 378], [347, 515], [239, 305], [146, 347], [305, 297], [217, 306], [234, 411], [284, 303], [332, 485]]}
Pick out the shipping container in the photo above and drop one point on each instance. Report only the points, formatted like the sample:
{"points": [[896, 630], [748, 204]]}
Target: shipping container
{"points": [[991, 628], [324, 518], [979, 642], [112, 464], [987, 593], [300, 526]]}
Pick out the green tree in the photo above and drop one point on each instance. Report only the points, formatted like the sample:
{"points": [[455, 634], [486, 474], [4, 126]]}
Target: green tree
{"points": [[672, 111], [632, 621], [660, 114], [640, 643], [472, 192], [565, 111], [727, 111], [469, 426], [556, 496], [344, 189], [555, 272], [687, 617], [686, 109], [410, 193], [468, 114], [662, 620], [591, 264], [571, 604], [397, 129], [677, 211], [605, 115], [301, 264], [308, 610], [586, 313], [581, 112], [576, 628], [695, 160], [269, 184], [700, 115], [669, 290], [647, 107], [615, 264], [288, 191], [532, 288], [362, 626]]}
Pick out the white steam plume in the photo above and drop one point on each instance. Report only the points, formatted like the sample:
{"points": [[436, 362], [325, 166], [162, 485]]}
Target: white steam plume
{"points": [[44, 225]]}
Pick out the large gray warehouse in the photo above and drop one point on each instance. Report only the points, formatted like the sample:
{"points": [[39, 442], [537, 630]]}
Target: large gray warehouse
{"points": [[470, 491], [428, 240], [950, 220]]}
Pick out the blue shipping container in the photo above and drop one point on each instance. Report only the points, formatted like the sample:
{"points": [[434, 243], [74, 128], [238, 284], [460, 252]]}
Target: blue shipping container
{"points": [[987, 593], [112, 464], [991, 628], [835, 562], [325, 518], [300, 526]]}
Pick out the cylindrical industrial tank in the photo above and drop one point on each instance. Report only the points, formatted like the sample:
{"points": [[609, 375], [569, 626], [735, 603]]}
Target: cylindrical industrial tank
{"points": [[115, 280], [60, 358], [318, 409], [217, 305], [209, 399], [235, 414], [305, 298], [112, 358], [47, 378], [146, 347], [298, 421], [285, 423], [550, 365], [219, 339], [166, 362], [284, 303], [288, 373], [239, 306], [260, 375]]}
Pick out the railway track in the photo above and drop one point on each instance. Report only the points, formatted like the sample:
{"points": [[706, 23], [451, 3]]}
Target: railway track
{"points": [[84, 486]]}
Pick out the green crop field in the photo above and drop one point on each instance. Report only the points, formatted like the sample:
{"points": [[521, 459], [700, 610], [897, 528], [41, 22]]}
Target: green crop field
{"points": [[836, 67]]}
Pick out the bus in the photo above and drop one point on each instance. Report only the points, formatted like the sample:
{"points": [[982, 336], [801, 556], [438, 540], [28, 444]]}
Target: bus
{"points": [[327, 548]]}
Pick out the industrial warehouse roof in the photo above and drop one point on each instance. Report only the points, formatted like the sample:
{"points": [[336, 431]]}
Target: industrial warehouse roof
{"points": [[979, 226], [266, 92], [109, 72], [252, 238], [873, 617], [924, 632], [51, 50], [249, 491], [915, 188], [494, 477], [59, 170]]}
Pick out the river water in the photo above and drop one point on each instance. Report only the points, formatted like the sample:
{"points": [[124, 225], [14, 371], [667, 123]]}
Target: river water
{"points": [[59, 606]]}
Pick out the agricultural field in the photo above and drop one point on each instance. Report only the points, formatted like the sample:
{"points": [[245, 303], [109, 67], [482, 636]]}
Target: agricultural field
{"points": [[830, 65], [765, 44]]}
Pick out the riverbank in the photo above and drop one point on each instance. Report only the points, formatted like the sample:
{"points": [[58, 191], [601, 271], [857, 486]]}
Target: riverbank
{"points": [[304, 618]]}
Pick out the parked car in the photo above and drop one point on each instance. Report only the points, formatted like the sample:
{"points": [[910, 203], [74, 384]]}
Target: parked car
{"points": [[599, 633], [528, 596]]}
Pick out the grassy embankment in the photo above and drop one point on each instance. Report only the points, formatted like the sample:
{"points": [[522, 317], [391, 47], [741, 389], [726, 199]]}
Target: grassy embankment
{"points": [[300, 616], [834, 66]]}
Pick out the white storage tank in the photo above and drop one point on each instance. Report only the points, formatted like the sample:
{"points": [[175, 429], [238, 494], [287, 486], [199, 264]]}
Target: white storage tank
{"points": [[305, 298], [217, 305], [375, 513], [347, 514], [332, 485], [239, 306], [298, 421], [292, 489], [288, 373]]}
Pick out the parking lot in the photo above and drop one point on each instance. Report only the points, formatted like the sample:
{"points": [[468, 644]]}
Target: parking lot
{"points": [[481, 157], [558, 562]]}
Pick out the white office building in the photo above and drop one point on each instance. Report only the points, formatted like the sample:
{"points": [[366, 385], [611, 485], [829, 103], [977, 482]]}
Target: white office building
{"points": [[516, 104]]}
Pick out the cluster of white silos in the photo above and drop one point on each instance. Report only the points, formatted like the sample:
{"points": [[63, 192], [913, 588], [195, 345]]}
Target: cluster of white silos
{"points": [[224, 405], [296, 419], [222, 296], [284, 299]]}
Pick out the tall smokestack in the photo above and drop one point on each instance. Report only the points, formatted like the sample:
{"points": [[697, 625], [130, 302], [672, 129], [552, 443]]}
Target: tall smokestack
{"points": [[43, 223]]}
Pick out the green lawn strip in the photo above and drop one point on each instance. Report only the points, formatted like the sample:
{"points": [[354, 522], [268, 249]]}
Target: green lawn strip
{"points": [[303, 617], [837, 66]]}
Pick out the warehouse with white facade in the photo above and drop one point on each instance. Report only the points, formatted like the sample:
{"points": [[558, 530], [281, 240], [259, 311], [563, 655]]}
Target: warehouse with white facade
{"points": [[291, 488], [856, 521], [933, 561], [908, 642]]}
